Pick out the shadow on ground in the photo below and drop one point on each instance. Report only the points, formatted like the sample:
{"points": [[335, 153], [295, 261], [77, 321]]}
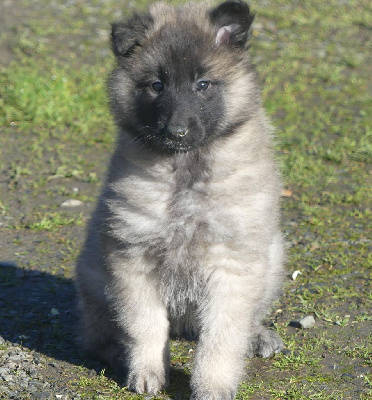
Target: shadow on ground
{"points": [[38, 311]]}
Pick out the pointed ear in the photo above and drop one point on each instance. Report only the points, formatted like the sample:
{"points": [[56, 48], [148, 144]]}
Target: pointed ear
{"points": [[125, 36], [232, 20]]}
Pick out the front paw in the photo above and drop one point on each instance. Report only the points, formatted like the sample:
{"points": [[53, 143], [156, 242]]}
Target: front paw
{"points": [[145, 381], [265, 344]]}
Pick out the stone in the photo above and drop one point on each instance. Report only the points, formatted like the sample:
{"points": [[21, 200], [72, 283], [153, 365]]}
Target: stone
{"points": [[4, 371], [8, 378], [307, 322], [72, 203]]}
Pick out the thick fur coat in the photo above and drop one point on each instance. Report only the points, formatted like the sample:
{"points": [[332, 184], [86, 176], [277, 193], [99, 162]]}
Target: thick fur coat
{"points": [[185, 237]]}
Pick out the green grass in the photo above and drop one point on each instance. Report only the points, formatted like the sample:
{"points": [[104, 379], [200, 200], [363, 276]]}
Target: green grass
{"points": [[56, 102], [314, 60], [53, 221]]}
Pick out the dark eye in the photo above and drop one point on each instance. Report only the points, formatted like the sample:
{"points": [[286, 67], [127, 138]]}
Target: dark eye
{"points": [[202, 85], [157, 86]]}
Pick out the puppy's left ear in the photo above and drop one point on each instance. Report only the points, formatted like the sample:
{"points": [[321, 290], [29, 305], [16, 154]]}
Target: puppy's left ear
{"points": [[233, 20]]}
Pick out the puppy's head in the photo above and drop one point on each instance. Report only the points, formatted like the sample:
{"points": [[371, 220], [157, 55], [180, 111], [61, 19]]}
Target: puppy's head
{"points": [[183, 76]]}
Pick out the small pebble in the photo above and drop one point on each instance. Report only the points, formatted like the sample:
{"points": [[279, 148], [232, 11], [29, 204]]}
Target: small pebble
{"points": [[54, 311], [53, 364], [72, 203], [4, 371], [307, 322]]}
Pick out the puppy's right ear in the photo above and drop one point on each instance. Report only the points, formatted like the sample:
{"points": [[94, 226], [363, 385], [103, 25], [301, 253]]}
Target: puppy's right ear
{"points": [[125, 36]]}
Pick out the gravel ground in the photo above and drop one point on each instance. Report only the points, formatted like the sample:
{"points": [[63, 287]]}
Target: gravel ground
{"points": [[23, 375]]}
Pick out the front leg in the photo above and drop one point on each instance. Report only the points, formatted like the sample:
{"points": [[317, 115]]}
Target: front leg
{"points": [[143, 318], [226, 317]]}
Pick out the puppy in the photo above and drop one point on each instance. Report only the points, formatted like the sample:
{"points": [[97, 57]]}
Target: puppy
{"points": [[185, 238]]}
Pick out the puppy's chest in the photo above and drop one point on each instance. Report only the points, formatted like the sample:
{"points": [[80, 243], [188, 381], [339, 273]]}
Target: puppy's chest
{"points": [[186, 222], [180, 249]]}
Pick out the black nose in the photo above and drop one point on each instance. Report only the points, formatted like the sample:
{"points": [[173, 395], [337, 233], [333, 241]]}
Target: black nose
{"points": [[177, 131]]}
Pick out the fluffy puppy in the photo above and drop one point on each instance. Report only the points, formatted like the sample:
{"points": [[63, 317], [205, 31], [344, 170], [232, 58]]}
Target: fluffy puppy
{"points": [[185, 237]]}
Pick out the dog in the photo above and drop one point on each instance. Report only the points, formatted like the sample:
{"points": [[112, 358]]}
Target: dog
{"points": [[185, 238]]}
